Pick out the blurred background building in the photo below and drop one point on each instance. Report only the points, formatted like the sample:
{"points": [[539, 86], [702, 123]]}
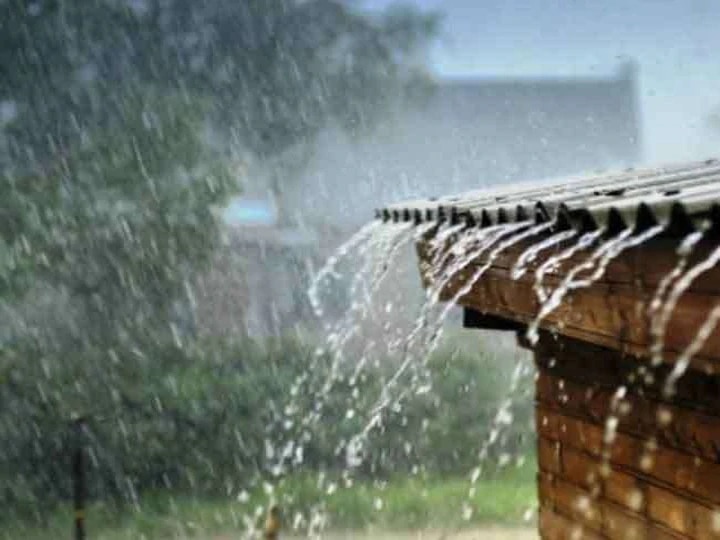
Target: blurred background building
{"points": [[473, 133], [465, 134]]}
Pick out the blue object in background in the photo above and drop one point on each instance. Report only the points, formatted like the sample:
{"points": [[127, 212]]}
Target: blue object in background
{"points": [[254, 212]]}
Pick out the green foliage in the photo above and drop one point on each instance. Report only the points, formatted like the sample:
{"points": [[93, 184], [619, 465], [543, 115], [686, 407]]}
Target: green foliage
{"points": [[276, 71], [200, 419], [407, 504], [108, 196], [105, 177], [120, 214]]}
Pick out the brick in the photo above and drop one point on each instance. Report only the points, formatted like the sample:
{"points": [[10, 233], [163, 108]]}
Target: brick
{"points": [[625, 490], [549, 455], [705, 522], [669, 509], [554, 526], [580, 469], [620, 524], [578, 504]]}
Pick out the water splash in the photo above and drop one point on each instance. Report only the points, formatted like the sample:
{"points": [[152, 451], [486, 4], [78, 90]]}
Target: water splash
{"points": [[617, 406], [442, 254], [359, 312], [481, 240], [531, 253], [434, 297], [477, 243], [612, 421], [376, 282], [376, 254], [449, 253], [492, 257], [377, 260], [432, 340], [614, 251], [367, 245], [681, 285], [682, 362], [658, 320], [598, 262], [503, 418], [328, 269], [684, 250], [584, 242], [374, 250]]}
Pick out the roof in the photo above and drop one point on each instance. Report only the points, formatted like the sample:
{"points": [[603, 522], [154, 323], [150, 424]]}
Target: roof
{"points": [[682, 197]]}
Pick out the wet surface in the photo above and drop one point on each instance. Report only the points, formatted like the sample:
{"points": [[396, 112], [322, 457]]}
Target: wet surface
{"points": [[483, 533]]}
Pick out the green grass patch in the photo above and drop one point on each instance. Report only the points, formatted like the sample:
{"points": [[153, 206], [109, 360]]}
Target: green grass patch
{"points": [[406, 503]]}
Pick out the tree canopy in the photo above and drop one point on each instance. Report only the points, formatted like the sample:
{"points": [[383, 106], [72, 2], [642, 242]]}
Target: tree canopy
{"points": [[108, 103], [274, 71], [110, 181]]}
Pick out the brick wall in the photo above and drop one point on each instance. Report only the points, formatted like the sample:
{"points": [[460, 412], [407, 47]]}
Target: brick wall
{"points": [[655, 473]]}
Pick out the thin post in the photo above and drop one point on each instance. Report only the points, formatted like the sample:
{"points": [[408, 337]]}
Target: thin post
{"points": [[272, 523], [78, 472]]}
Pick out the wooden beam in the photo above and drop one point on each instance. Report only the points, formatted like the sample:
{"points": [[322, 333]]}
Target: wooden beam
{"points": [[575, 360], [683, 429], [599, 501], [613, 312], [555, 526], [485, 321], [682, 473]]}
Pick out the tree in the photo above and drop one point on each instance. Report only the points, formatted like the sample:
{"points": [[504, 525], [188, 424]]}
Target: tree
{"points": [[109, 186], [276, 70]]}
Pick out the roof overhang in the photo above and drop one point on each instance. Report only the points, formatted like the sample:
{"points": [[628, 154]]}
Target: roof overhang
{"points": [[665, 204]]}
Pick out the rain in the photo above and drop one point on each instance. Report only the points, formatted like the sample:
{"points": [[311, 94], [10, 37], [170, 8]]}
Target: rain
{"points": [[290, 269]]}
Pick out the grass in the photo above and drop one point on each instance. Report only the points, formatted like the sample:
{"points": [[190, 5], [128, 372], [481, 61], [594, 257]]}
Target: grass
{"points": [[398, 504], [413, 503]]}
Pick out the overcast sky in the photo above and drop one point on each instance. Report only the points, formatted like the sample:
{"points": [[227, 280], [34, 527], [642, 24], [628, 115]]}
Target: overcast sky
{"points": [[675, 42]]}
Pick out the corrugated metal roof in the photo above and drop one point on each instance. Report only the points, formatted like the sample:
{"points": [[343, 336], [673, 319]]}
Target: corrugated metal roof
{"points": [[683, 196]]}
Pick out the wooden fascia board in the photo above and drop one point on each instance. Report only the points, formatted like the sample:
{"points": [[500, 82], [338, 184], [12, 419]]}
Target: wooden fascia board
{"points": [[611, 313]]}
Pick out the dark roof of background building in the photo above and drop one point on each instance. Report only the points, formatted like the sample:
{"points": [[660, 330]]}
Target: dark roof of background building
{"points": [[472, 133], [585, 118]]}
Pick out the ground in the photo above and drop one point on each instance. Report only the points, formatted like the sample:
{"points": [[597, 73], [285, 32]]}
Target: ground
{"points": [[481, 533]]}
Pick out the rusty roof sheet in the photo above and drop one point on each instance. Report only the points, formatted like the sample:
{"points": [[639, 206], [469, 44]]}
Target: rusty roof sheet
{"points": [[684, 196]]}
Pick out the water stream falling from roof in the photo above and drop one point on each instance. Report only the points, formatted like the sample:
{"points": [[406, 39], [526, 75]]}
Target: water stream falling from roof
{"points": [[376, 258], [677, 282], [454, 261], [374, 248], [682, 362], [328, 268], [597, 262], [553, 262], [682, 284], [529, 232], [531, 253], [434, 297], [684, 251], [505, 237]]}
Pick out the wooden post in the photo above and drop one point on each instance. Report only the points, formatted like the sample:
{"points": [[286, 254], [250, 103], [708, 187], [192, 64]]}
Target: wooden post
{"points": [[272, 523], [78, 474]]}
